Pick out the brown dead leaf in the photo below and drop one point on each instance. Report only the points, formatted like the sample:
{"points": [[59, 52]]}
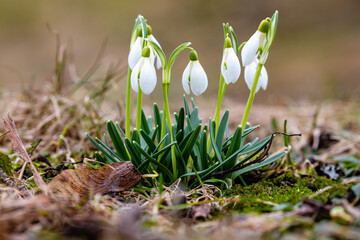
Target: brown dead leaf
{"points": [[115, 177], [19, 149]]}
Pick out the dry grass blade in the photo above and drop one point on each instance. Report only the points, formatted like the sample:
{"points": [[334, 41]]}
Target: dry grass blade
{"points": [[19, 149]]}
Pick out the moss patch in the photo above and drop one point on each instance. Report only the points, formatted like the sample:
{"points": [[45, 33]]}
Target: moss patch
{"points": [[285, 189]]}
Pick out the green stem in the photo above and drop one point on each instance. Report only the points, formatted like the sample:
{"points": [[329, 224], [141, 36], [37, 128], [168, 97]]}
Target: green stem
{"points": [[251, 96], [128, 104], [222, 87], [138, 109]]}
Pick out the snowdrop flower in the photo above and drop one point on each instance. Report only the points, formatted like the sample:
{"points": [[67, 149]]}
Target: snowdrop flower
{"points": [[249, 73], [144, 73], [195, 76], [256, 42], [230, 65], [136, 49]]}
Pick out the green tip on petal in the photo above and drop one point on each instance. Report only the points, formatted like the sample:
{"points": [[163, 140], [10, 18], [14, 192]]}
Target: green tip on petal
{"points": [[228, 42], [193, 55], [264, 26], [145, 52]]}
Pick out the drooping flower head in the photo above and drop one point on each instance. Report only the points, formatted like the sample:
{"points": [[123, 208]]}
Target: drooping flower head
{"points": [[255, 44], [195, 76], [136, 49], [230, 65], [249, 75], [143, 73]]}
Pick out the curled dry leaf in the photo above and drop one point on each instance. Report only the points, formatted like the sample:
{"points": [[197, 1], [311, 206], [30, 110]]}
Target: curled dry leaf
{"points": [[115, 177]]}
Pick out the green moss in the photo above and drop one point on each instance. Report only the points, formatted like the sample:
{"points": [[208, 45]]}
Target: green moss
{"points": [[284, 189]]}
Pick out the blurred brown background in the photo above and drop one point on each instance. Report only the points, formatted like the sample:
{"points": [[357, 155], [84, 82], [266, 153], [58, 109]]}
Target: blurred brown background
{"points": [[316, 53]]}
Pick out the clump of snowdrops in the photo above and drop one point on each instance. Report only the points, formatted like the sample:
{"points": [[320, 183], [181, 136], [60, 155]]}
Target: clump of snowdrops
{"points": [[187, 148]]}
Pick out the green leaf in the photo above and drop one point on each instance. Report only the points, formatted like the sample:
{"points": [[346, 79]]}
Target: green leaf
{"points": [[180, 120], [102, 149], [215, 180], [187, 110], [176, 53], [135, 136], [186, 151], [234, 145], [34, 145], [203, 151], [157, 119], [213, 142], [120, 130], [99, 158], [135, 156], [221, 129], [260, 164], [152, 160], [144, 123], [148, 141], [117, 141]]}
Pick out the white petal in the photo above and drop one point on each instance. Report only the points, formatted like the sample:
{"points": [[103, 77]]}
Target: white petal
{"points": [[263, 79], [232, 71], [198, 79], [135, 52], [157, 58], [249, 75], [135, 75], [147, 78], [249, 50], [185, 78], [152, 38]]}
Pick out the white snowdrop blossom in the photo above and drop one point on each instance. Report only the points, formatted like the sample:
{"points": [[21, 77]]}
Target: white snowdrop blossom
{"points": [[144, 74], [230, 65], [249, 75], [135, 52], [195, 76], [256, 42]]}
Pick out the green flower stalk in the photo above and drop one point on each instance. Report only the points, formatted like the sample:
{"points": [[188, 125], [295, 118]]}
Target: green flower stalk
{"points": [[254, 54]]}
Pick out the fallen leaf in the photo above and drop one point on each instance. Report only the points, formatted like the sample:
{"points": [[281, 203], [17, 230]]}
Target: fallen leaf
{"points": [[115, 177]]}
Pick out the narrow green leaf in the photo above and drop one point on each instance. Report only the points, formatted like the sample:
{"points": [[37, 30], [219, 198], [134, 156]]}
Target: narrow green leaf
{"points": [[144, 122], [187, 110], [135, 156], [221, 129], [117, 141], [102, 149], [148, 141], [120, 130], [259, 165], [190, 143], [213, 142], [157, 119], [135, 136], [203, 151], [152, 160]]}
